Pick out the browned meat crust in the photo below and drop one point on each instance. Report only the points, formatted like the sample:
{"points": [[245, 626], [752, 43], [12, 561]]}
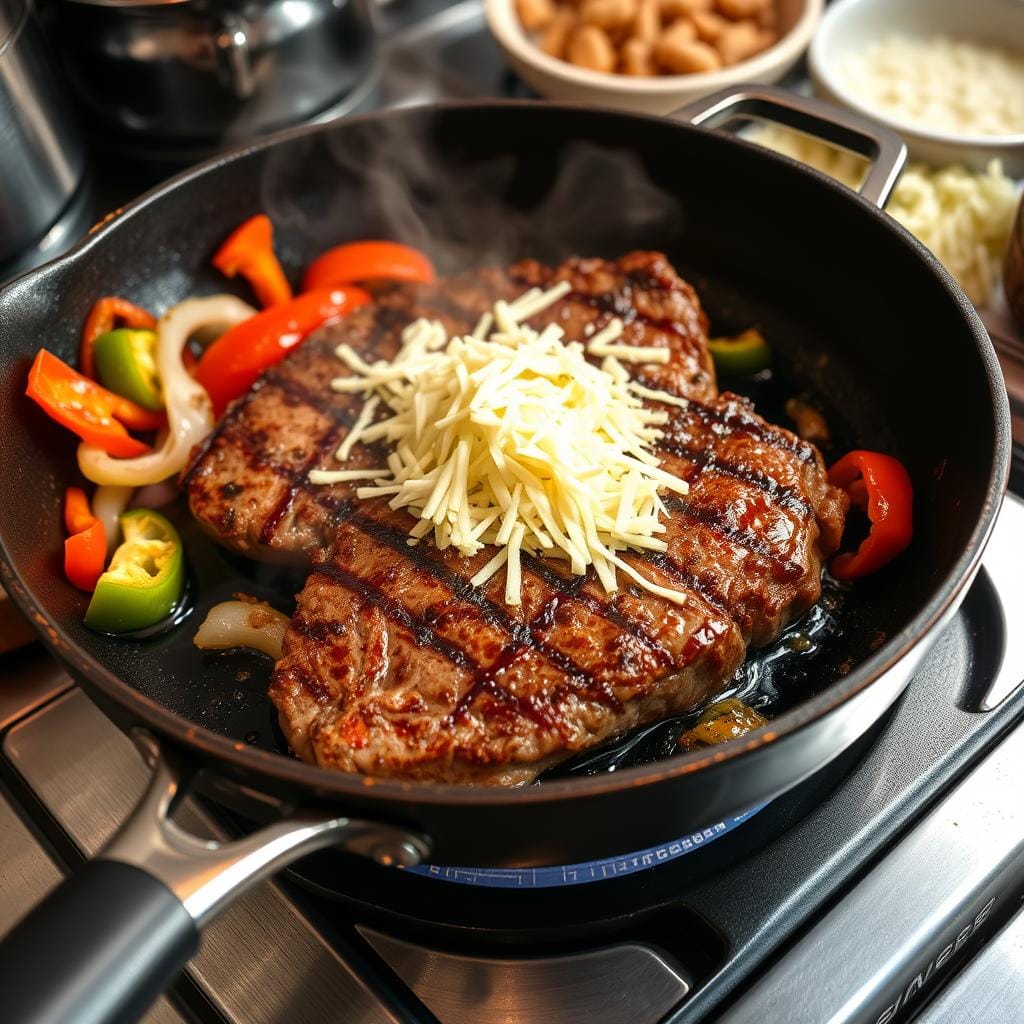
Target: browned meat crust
{"points": [[395, 665], [246, 484]]}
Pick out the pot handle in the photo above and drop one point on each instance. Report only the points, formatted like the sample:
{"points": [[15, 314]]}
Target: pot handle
{"points": [[875, 142], [103, 945], [233, 55]]}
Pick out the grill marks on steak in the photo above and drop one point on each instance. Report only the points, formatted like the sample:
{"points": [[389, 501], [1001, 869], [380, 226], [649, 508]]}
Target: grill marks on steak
{"points": [[502, 685], [657, 307], [291, 421], [246, 485], [396, 665]]}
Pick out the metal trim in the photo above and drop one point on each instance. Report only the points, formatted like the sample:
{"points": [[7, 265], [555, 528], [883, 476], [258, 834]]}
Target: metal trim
{"points": [[974, 838], [206, 875], [628, 981], [872, 140], [70, 739]]}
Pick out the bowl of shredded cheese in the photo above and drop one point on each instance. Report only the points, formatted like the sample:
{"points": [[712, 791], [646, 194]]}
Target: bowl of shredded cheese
{"points": [[947, 75], [964, 216]]}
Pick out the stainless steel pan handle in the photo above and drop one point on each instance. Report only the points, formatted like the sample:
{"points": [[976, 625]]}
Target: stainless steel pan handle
{"points": [[882, 147], [122, 927], [233, 54]]}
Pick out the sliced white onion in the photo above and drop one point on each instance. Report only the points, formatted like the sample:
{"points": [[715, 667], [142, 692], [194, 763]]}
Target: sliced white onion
{"points": [[189, 410], [107, 504], [243, 624]]}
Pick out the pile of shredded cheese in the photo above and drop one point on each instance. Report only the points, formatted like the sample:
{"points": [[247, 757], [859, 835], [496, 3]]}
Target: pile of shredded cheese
{"points": [[964, 217], [510, 437], [943, 84]]}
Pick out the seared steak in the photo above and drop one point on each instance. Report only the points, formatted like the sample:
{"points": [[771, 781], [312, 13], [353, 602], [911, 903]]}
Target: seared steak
{"points": [[246, 485], [396, 665]]}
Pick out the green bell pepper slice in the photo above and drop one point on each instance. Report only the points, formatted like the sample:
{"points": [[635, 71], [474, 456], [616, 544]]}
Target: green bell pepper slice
{"points": [[746, 354], [126, 364], [145, 579]]}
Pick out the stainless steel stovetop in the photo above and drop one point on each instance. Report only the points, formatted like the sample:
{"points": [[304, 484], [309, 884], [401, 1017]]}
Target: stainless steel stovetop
{"points": [[888, 890]]}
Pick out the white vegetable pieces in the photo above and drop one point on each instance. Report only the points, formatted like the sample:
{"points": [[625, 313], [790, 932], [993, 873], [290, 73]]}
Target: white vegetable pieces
{"points": [[252, 624], [189, 410], [511, 437]]}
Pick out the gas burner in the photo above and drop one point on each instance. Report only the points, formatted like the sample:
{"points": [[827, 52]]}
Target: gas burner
{"points": [[567, 904]]}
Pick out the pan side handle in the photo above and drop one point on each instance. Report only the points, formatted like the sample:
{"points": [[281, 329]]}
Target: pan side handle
{"points": [[104, 944], [881, 146]]}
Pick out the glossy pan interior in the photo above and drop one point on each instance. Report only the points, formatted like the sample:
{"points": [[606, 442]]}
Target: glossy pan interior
{"points": [[862, 317]]}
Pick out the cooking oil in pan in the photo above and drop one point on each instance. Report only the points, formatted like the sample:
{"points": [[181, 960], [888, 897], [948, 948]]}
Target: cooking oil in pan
{"points": [[769, 681]]}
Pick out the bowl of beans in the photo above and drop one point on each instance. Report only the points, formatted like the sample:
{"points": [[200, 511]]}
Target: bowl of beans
{"points": [[649, 55]]}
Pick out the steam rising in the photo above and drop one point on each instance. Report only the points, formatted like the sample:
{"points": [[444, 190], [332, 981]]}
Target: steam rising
{"points": [[461, 205]]}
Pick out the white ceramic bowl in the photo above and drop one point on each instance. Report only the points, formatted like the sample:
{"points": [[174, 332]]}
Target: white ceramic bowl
{"points": [[560, 80], [850, 25]]}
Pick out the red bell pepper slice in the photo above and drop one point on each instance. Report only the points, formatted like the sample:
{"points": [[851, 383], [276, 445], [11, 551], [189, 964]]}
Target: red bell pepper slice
{"points": [[102, 318], [77, 513], [85, 551], [230, 366], [357, 262], [249, 251], [87, 409], [880, 486]]}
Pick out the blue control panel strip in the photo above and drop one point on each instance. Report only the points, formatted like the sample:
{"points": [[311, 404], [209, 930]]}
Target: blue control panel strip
{"points": [[590, 871]]}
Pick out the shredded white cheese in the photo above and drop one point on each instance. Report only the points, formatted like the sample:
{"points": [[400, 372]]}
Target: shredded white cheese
{"points": [[602, 344], [510, 437], [950, 85], [364, 419], [963, 216]]}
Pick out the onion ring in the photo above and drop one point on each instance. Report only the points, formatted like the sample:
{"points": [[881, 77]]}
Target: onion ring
{"points": [[108, 503], [189, 410]]}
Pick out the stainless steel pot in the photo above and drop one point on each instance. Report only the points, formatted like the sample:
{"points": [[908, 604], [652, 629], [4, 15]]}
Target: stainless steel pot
{"points": [[194, 75], [41, 160]]}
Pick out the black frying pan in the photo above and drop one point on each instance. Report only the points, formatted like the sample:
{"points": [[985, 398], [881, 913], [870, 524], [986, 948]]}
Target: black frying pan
{"points": [[860, 314]]}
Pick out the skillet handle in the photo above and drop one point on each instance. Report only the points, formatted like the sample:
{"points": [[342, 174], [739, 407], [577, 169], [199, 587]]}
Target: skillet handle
{"points": [[875, 142], [104, 945], [101, 947]]}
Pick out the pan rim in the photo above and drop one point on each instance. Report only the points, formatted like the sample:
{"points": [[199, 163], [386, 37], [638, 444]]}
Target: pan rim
{"points": [[327, 784]]}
